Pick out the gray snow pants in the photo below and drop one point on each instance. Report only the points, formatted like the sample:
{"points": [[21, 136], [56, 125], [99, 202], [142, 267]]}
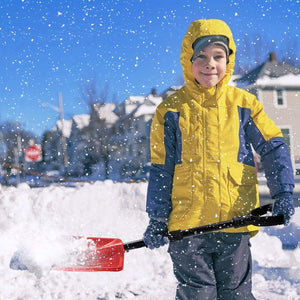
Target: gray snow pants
{"points": [[213, 266]]}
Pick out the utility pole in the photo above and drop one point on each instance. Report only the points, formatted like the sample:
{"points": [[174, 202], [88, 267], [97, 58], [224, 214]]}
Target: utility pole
{"points": [[19, 150], [63, 138], [63, 142]]}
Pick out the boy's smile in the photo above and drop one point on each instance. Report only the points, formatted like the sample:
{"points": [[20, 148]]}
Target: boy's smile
{"points": [[209, 67]]}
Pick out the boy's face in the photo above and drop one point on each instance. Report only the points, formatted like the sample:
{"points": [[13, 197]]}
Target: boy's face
{"points": [[209, 67]]}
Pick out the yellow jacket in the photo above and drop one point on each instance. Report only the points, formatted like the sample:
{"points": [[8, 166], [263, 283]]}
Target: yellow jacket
{"points": [[201, 143]]}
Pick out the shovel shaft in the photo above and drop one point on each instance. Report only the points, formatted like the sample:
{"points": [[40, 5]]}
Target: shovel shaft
{"points": [[134, 245], [253, 218], [180, 234]]}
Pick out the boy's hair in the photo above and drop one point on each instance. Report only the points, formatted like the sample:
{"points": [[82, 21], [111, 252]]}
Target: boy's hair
{"points": [[205, 41]]}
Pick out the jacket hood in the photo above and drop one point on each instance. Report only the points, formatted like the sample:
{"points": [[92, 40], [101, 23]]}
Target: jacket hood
{"points": [[198, 29]]}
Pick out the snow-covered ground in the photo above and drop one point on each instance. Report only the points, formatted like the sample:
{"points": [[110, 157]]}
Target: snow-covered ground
{"points": [[38, 220]]}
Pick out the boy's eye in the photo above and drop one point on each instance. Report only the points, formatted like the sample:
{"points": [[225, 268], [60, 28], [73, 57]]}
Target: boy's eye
{"points": [[201, 56]]}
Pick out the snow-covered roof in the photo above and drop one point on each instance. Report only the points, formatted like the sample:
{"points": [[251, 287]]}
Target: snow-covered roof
{"points": [[133, 100], [271, 73], [140, 105], [171, 90], [145, 110], [153, 100], [107, 111], [66, 128], [289, 80], [81, 121]]}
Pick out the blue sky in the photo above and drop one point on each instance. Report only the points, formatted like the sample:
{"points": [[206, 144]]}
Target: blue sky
{"points": [[133, 46]]}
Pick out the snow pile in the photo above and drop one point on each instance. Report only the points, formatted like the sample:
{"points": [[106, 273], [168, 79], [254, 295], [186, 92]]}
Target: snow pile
{"points": [[41, 253], [41, 223]]}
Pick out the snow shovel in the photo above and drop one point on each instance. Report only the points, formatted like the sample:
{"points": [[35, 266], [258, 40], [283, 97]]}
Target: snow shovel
{"points": [[108, 254]]}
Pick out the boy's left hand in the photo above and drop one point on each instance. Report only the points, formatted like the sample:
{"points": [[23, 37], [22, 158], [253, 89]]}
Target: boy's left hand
{"points": [[283, 205], [153, 236]]}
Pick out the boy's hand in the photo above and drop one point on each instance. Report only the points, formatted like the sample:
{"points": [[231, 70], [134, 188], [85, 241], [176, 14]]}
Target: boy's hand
{"points": [[283, 205], [153, 237]]}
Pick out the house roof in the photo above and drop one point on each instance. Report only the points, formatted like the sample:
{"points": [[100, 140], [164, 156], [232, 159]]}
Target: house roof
{"points": [[65, 127], [106, 111], [171, 90], [81, 121], [139, 105], [271, 73]]}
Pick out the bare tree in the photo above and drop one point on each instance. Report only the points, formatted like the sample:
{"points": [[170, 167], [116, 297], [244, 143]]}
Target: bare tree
{"points": [[14, 141], [254, 48], [288, 52], [91, 94], [97, 135]]}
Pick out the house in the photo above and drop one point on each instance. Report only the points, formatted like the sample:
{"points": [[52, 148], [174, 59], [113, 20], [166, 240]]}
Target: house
{"points": [[277, 86], [131, 142], [171, 90], [113, 138]]}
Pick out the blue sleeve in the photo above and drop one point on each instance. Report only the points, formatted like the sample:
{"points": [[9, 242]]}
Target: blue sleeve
{"points": [[159, 192], [160, 185], [275, 157]]}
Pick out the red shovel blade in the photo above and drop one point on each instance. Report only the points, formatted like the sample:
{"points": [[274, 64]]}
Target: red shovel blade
{"points": [[102, 254]]}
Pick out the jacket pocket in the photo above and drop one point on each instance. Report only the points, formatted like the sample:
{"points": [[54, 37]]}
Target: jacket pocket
{"points": [[242, 188], [242, 174], [182, 192]]}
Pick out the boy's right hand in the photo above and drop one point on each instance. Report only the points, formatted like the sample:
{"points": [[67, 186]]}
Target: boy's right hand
{"points": [[153, 236], [284, 205]]}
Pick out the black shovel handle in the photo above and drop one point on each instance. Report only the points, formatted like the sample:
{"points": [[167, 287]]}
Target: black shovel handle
{"points": [[255, 217]]}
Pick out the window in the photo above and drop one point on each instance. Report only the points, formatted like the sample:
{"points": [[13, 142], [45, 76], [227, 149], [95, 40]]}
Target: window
{"points": [[287, 133], [279, 98]]}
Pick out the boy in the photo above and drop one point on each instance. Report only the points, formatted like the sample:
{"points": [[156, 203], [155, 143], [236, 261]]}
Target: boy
{"points": [[203, 168]]}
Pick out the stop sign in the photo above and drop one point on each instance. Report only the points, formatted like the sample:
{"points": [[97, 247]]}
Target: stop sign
{"points": [[33, 153]]}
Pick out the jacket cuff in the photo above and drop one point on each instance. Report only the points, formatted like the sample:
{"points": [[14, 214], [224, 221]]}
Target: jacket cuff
{"points": [[163, 220], [286, 188], [283, 195]]}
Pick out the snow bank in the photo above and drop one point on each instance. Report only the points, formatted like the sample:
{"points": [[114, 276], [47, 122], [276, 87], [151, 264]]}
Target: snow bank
{"points": [[40, 221]]}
